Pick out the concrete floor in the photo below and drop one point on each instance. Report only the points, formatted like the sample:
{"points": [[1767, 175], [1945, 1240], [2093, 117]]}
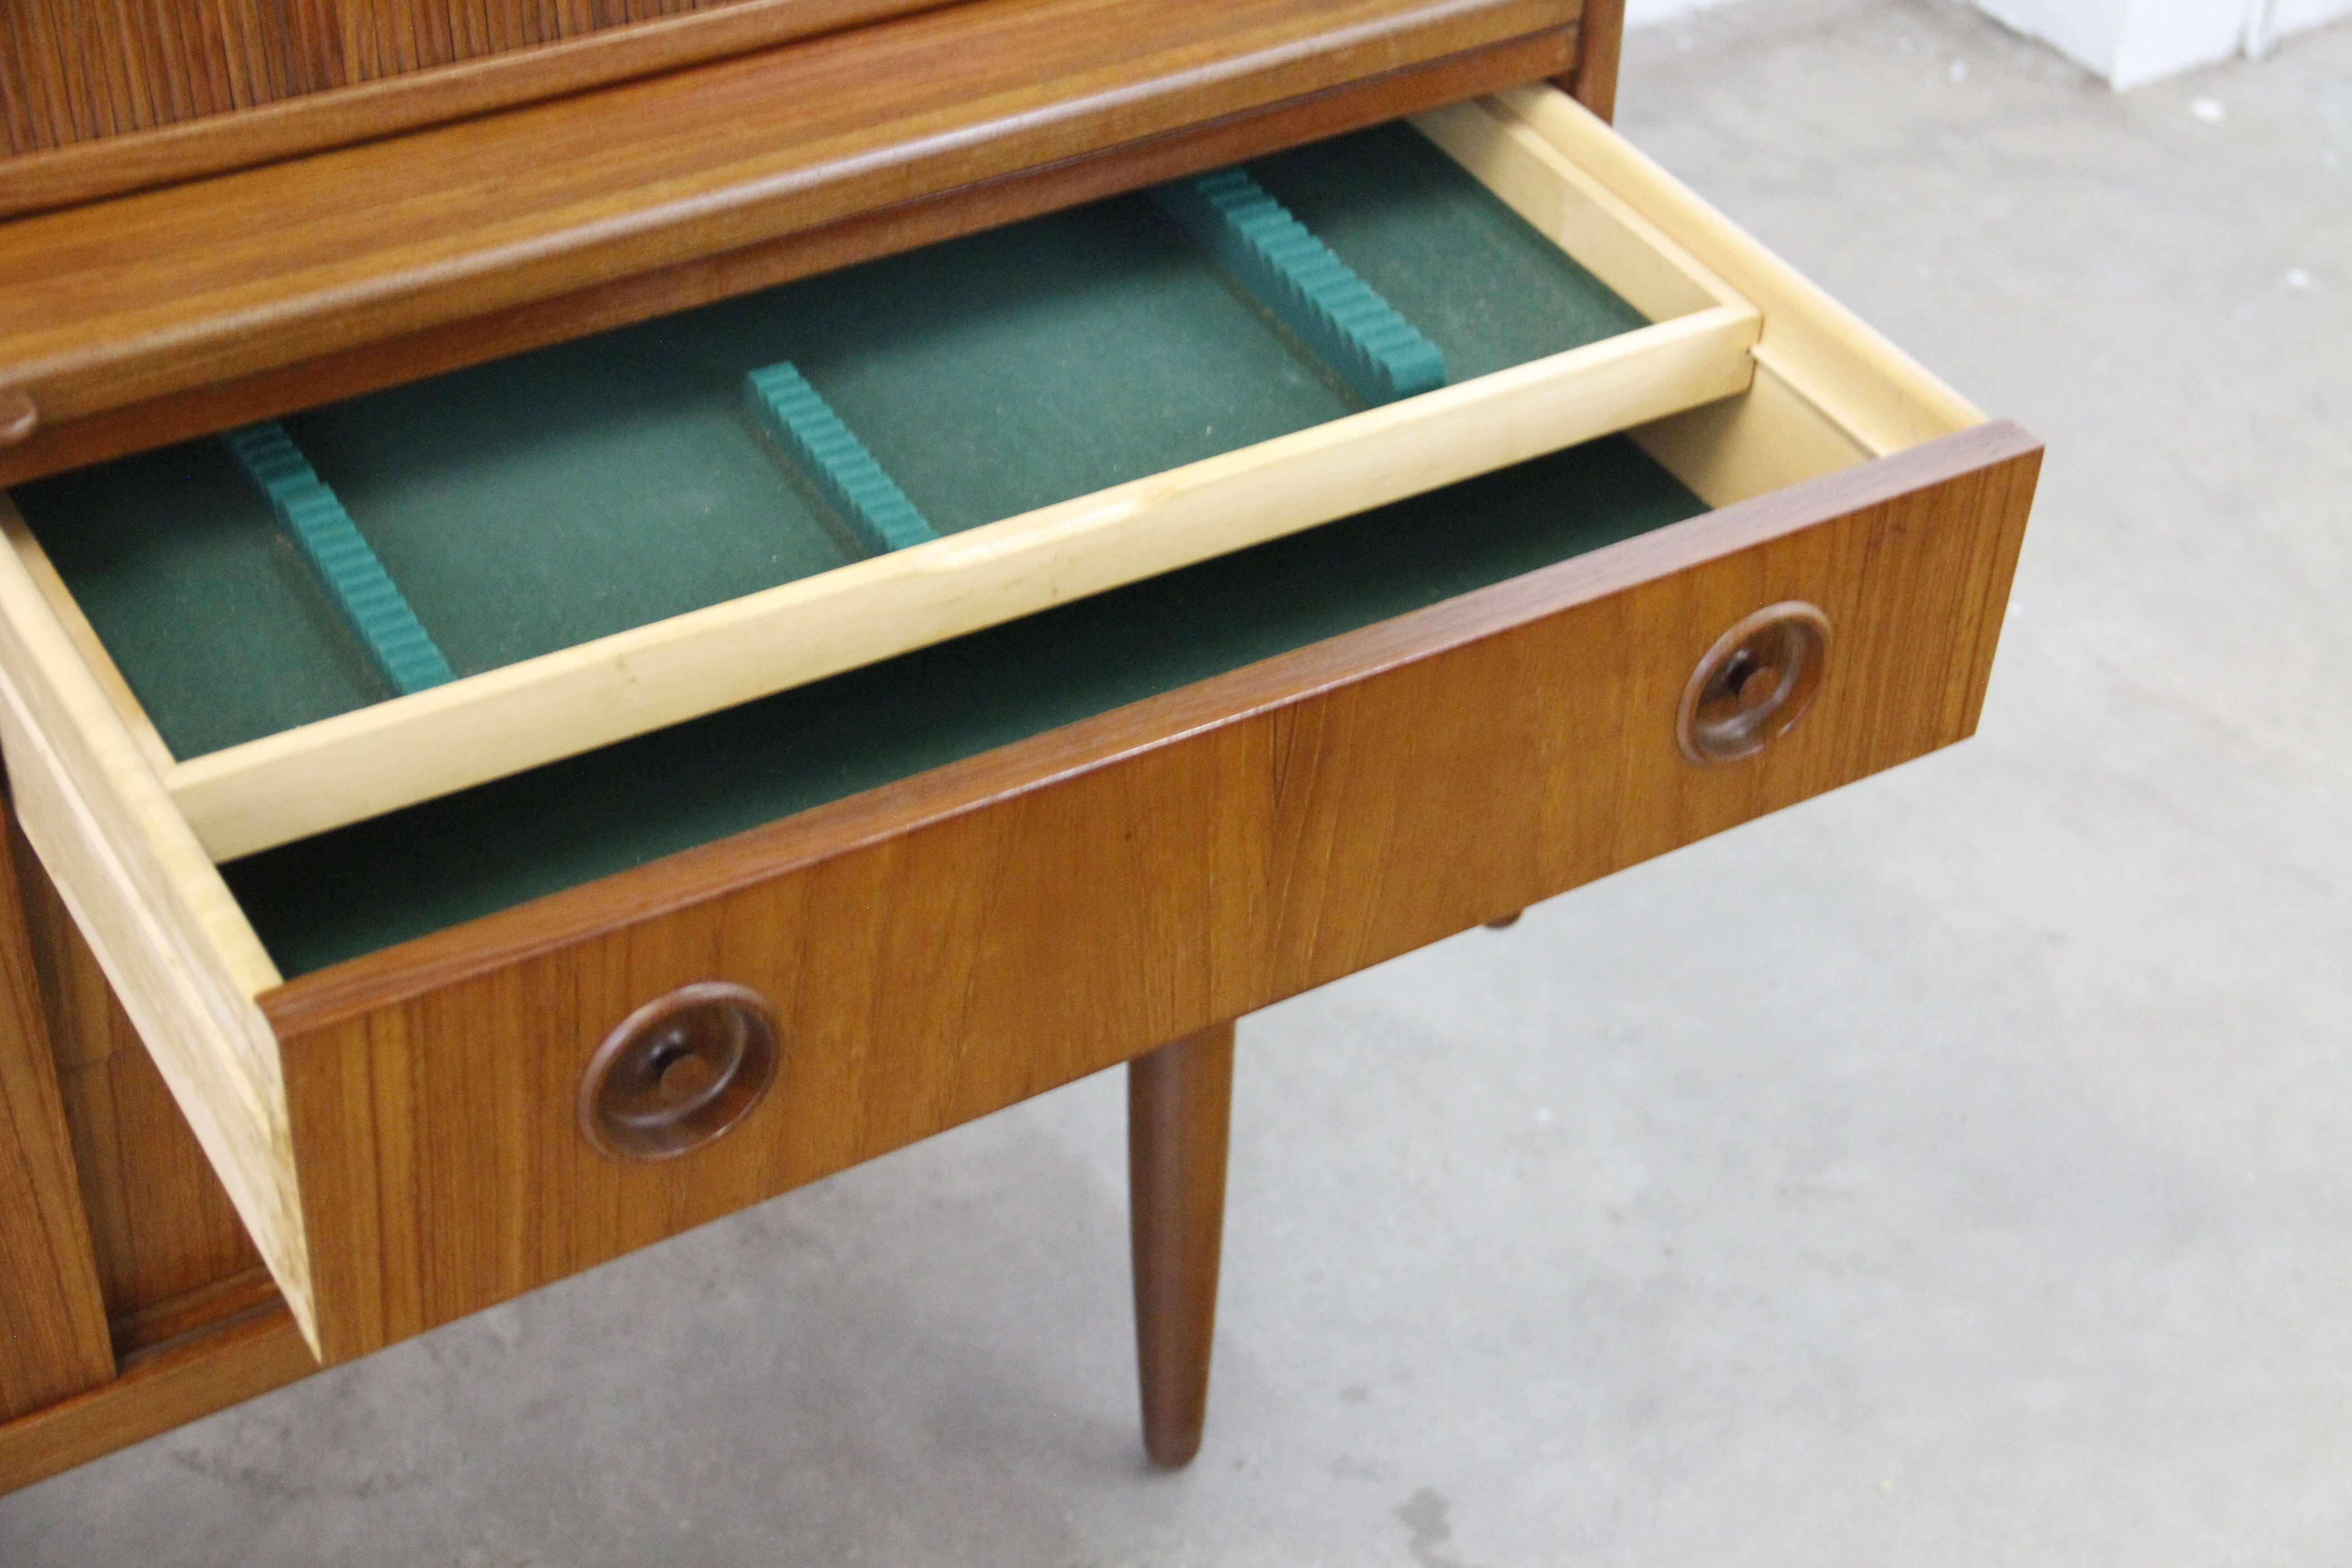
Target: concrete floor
{"points": [[1954, 1170]]}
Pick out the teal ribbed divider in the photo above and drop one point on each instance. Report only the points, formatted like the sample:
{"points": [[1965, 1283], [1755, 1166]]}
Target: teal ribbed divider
{"points": [[1313, 292], [356, 579], [835, 461]]}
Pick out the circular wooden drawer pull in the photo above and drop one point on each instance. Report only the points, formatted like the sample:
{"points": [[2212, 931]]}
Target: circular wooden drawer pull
{"points": [[1757, 680], [679, 1072]]}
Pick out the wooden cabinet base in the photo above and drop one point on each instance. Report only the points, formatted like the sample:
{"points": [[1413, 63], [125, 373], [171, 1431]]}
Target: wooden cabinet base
{"points": [[1178, 1100], [176, 1386]]}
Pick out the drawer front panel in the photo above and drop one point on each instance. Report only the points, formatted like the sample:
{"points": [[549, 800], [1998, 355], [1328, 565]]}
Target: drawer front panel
{"points": [[939, 949]]}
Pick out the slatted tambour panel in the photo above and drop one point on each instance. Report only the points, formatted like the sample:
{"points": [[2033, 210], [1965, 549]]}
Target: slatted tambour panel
{"points": [[53, 1337], [162, 1227], [75, 71]]}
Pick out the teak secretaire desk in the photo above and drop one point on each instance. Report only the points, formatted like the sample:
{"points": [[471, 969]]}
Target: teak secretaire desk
{"points": [[578, 582]]}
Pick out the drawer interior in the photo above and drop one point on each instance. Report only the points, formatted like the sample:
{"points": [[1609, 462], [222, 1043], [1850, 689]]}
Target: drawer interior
{"points": [[460, 856], [965, 434], [536, 503], [533, 505]]}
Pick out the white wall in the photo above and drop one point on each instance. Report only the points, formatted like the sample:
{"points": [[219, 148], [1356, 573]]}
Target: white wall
{"points": [[2090, 32], [2294, 16], [2126, 41], [2134, 41]]}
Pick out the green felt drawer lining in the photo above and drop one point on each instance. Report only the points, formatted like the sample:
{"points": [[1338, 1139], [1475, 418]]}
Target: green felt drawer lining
{"points": [[537, 502], [361, 887]]}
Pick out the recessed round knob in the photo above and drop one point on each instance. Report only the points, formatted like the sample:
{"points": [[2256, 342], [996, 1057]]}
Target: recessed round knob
{"points": [[679, 1072], [1757, 680]]}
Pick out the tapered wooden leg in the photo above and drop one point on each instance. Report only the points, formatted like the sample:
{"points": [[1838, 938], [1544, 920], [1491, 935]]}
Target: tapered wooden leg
{"points": [[1178, 1100]]}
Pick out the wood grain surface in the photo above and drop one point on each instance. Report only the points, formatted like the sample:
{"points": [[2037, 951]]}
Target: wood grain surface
{"points": [[1178, 1115], [371, 759], [193, 1320], [53, 1336], [117, 301], [197, 1323], [175, 946], [163, 1228], [95, 100], [75, 72], [946, 946], [1598, 47], [401, 357], [156, 1392]]}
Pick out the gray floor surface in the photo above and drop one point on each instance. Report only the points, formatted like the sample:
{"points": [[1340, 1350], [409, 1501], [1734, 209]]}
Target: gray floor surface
{"points": [[1957, 1168]]}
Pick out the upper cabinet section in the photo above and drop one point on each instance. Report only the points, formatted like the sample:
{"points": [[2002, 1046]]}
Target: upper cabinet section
{"points": [[165, 313], [101, 99]]}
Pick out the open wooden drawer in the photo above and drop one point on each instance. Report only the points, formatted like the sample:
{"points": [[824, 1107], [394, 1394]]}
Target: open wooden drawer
{"points": [[1168, 722]]}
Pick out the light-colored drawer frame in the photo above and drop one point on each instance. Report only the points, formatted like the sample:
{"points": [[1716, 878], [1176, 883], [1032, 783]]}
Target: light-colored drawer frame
{"points": [[284, 1084]]}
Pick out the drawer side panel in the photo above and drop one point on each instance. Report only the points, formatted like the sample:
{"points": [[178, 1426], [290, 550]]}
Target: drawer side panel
{"points": [[176, 1387], [164, 1229], [170, 938], [941, 949]]}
